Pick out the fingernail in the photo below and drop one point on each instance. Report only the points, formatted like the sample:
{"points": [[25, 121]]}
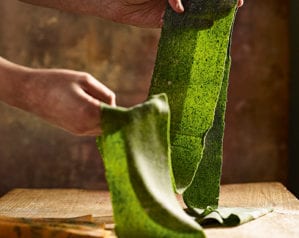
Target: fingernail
{"points": [[180, 6]]}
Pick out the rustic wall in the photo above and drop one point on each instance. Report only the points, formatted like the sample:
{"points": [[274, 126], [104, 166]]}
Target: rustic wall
{"points": [[35, 154], [257, 116]]}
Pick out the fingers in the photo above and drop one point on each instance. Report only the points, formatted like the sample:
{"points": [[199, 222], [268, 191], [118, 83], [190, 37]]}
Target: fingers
{"points": [[98, 90], [240, 3], [176, 5], [91, 93]]}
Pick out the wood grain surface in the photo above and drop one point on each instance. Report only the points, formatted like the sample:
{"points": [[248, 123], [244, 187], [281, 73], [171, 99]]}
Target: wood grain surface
{"points": [[283, 222], [56, 203]]}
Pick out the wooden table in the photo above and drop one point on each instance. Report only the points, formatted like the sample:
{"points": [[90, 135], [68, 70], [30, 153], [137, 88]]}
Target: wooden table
{"points": [[283, 222]]}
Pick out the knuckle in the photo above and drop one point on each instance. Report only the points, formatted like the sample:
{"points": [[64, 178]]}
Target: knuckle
{"points": [[84, 78], [112, 96]]}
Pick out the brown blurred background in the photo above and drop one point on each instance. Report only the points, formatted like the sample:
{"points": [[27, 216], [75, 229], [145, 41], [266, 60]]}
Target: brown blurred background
{"points": [[35, 154]]}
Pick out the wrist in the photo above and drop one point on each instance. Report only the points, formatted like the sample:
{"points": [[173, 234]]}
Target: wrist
{"points": [[13, 83]]}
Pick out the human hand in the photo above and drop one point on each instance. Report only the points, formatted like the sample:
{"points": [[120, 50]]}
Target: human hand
{"points": [[68, 99], [142, 13]]}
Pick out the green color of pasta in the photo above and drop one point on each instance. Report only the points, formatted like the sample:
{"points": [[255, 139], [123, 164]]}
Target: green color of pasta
{"points": [[204, 189], [135, 148], [190, 68]]}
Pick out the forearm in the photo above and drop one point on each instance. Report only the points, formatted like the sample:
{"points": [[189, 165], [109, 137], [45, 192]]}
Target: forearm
{"points": [[87, 7], [13, 79]]}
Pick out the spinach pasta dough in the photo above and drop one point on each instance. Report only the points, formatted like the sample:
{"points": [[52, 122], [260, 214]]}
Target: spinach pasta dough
{"points": [[135, 149], [190, 68]]}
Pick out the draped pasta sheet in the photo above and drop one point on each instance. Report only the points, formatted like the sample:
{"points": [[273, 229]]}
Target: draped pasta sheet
{"points": [[135, 148]]}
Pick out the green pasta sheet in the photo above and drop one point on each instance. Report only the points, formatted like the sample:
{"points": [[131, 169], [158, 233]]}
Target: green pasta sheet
{"points": [[227, 216], [190, 68], [136, 152], [205, 187]]}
